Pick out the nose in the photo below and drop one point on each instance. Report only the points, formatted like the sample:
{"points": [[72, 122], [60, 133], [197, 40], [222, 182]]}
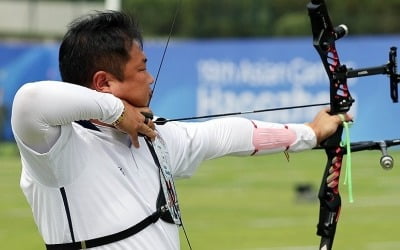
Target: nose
{"points": [[151, 79], [151, 82]]}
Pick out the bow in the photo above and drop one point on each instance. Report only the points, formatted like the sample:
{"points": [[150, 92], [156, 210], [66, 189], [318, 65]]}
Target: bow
{"points": [[324, 37]]}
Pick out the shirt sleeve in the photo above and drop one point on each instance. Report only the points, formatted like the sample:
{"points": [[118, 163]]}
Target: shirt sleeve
{"points": [[191, 143], [41, 108]]}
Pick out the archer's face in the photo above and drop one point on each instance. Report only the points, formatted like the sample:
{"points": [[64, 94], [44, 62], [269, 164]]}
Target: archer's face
{"points": [[136, 86]]}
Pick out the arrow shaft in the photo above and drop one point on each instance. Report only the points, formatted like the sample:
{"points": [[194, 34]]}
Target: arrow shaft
{"points": [[246, 112]]}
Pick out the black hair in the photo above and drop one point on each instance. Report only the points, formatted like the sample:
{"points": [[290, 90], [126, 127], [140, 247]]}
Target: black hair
{"points": [[98, 41]]}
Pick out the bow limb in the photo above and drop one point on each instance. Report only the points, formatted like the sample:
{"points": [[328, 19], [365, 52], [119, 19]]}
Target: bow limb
{"points": [[324, 36]]}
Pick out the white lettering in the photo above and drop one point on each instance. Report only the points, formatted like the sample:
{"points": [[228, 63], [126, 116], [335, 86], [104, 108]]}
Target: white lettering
{"points": [[297, 72]]}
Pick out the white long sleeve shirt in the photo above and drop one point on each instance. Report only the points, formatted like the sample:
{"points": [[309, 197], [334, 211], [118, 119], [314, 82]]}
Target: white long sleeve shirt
{"points": [[110, 184]]}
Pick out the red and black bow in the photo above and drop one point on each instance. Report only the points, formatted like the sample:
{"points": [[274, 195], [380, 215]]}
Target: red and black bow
{"points": [[324, 37]]}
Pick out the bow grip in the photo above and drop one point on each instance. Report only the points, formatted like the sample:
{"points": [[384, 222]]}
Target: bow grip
{"points": [[329, 197], [330, 200]]}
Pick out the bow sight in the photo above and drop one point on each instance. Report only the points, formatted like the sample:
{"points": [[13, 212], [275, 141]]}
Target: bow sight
{"points": [[389, 69]]}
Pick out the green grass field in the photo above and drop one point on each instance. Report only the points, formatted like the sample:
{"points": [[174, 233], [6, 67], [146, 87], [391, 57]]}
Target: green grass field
{"points": [[249, 204]]}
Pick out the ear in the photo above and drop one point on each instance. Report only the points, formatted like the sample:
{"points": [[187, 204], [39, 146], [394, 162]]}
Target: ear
{"points": [[100, 82]]}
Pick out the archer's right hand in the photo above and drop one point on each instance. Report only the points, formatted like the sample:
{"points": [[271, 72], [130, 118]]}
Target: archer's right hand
{"points": [[135, 123]]}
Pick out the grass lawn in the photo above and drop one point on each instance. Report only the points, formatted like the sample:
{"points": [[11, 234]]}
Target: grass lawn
{"points": [[249, 203]]}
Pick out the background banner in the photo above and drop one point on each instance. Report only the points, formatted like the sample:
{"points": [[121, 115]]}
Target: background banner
{"points": [[202, 77]]}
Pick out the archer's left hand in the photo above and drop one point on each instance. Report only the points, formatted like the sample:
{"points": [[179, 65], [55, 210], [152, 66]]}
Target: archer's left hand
{"points": [[325, 124]]}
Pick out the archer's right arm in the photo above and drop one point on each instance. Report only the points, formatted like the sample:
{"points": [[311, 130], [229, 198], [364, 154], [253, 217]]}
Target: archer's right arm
{"points": [[41, 108]]}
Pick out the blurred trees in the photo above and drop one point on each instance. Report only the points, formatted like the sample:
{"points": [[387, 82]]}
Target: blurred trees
{"points": [[247, 18], [259, 18]]}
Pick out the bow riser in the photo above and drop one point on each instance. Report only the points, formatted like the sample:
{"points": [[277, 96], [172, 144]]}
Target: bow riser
{"points": [[329, 197], [324, 37]]}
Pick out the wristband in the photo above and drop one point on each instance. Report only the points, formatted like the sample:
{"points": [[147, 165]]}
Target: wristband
{"points": [[120, 118]]}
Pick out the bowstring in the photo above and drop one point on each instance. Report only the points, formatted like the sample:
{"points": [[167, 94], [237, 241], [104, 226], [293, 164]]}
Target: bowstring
{"points": [[148, 104], [176, 208], [165, 49]]}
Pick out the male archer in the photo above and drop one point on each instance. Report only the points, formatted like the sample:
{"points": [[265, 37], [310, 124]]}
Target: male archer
{"points": [[91, 181]]}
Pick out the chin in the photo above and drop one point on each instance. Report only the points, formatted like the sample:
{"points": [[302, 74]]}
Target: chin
{"points": [[139, 104]]}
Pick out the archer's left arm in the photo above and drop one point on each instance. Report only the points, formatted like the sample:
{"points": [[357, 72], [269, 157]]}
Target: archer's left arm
{"points": [[189, 144]]}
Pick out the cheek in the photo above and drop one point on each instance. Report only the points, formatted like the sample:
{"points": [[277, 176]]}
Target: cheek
{"points": [[135, 96], [135, 91], [118, 92]]}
